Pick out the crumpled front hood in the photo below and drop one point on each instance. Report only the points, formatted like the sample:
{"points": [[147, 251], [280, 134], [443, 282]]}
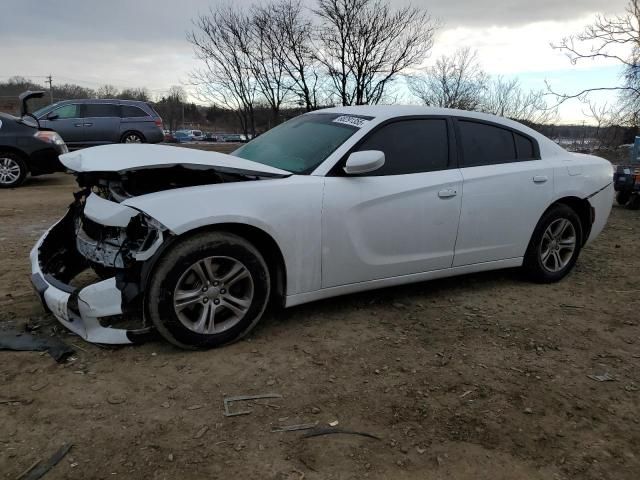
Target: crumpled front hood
{"points": [[123, 157]]}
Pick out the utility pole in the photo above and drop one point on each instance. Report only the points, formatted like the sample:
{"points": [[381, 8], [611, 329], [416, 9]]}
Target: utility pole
{"points": [[50, 82]]}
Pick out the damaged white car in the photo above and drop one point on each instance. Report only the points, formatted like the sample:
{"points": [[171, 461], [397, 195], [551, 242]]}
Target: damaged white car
{"points": [[195, 244]]}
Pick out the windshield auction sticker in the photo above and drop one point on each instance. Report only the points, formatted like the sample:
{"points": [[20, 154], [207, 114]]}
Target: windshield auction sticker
{"points": [[350, 120]]}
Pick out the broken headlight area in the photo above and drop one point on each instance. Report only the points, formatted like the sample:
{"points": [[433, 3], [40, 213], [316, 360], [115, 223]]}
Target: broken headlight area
{"points": [[112, 247]]}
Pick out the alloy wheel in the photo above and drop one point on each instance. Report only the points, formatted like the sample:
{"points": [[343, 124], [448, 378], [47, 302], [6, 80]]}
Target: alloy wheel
{"points": [[9, 171], [132, 138], [558, 244], [213, 295]]}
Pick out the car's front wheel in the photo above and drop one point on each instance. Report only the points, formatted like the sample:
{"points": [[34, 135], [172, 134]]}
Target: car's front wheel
{"points": [[13, 170], [208, 290], [623, 198], [555, 245]]}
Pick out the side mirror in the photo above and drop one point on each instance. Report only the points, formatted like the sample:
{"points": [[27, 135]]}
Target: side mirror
{"points": [[52, 116], [364, 162]]}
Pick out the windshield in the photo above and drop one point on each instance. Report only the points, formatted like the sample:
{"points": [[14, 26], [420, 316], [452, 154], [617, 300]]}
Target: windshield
{"points": [[38, 113], [303, 143]]}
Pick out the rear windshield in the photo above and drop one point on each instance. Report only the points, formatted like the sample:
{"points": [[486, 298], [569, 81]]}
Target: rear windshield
{"points": [[303, 143]]}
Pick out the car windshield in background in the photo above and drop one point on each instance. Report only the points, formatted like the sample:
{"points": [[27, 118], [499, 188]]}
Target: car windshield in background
{"points": [[303, 143]]}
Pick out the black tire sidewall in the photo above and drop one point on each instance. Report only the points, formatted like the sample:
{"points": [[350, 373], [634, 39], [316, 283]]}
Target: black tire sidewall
{"points": [[533, 263], [23, 169], [177, 261], [622, 198]]}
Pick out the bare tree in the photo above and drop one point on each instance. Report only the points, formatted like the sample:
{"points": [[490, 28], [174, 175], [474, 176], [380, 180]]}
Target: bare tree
{"points": [[364, 45], [455, 81], [507, 98], [295, 34], [171, 107], [222, 40], [107, 91], [266, 57], [141, 94], [606, 38]]}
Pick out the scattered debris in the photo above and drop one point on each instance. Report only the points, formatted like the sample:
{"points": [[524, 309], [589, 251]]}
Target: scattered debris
{"points": [[38, 386], [528, 411], [243, 398], [170, 457], [39, 468], [18, 341], [334, 423], [195, 407], [605, 377], [315, 410], [466, 393], [201, 432], [330, 431], [294, 428], [116, 399]]}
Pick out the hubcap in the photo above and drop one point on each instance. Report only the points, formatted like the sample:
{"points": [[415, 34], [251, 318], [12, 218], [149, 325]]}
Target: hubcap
{"points": [[213, 295], [9, 170], [132, 139], [558, 244]]}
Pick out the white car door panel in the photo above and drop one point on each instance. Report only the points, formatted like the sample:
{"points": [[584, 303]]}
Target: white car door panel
{"points": [[385, 226], [501, 206]]}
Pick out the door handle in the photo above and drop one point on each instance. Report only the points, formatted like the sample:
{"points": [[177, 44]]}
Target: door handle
{"points": [[447, 193], [540, 179], [77, 124], [88, 124]]}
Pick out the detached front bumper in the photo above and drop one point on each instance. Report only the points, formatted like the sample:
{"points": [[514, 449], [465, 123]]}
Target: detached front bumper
{"points": [[84, 311]]}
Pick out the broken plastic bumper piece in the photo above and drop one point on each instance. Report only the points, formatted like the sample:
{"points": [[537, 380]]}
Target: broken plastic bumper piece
{"points": [[88, 311]]}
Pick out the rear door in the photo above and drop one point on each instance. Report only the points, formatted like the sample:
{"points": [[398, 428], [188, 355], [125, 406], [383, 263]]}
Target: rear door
{"points": [[67, 122], [400, 219], [101, 123], [506, 189]]}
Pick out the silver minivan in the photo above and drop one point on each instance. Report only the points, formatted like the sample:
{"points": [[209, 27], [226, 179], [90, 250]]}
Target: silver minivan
{"points": [[98, 122]]}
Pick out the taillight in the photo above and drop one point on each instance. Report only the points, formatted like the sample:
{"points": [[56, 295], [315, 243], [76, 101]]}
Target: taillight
{"points": [[158, 122]]}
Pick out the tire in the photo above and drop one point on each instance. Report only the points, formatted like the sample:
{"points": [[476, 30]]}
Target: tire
{"points": [[132, 137], [13, 170], [634, 202], [543, 263], [182, 272], [622, 198]]}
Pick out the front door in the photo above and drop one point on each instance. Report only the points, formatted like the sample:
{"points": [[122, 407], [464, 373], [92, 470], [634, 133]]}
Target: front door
{"points": [[67, 121], [399, 220]]}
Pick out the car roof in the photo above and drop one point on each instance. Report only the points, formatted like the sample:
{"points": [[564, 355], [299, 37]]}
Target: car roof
{"points": [[102, 100], [387, 112]]}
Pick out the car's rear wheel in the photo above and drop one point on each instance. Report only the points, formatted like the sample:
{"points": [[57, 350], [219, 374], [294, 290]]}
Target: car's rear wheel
{"points": [[623, 198], [208, 290], [634, 202], [555, 245], [13, 170], [132, 137]]}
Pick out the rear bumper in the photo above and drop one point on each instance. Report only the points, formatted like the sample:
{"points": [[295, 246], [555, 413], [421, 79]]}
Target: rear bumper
{"points": [[79, 309]]}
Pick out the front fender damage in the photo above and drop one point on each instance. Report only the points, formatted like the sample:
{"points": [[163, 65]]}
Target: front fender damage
{"points": [[101, 237]]}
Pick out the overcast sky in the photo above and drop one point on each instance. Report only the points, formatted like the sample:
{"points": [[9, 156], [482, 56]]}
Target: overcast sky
{"points": [[131, 43]]}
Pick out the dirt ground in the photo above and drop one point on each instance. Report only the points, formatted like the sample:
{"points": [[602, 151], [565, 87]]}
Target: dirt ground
{"points": [[477, 377]]}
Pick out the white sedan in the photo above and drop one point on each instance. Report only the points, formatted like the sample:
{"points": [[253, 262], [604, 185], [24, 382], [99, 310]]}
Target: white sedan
{"points": [[195, 244]]}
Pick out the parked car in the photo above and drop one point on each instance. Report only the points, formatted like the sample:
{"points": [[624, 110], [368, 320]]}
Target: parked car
{"points": [[331, 202], [99, 122], [182, 137], [27, 148], [193, 134], [235, 137]]}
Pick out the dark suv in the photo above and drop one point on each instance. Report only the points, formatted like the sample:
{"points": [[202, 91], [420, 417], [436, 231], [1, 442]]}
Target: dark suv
{"points": [[98, 122]]}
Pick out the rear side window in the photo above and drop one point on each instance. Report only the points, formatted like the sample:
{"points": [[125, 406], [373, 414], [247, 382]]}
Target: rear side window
{"points": [[526, 150], [96, 110], [129, 111], [67, 111], [410, 146], [484, 144]]}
